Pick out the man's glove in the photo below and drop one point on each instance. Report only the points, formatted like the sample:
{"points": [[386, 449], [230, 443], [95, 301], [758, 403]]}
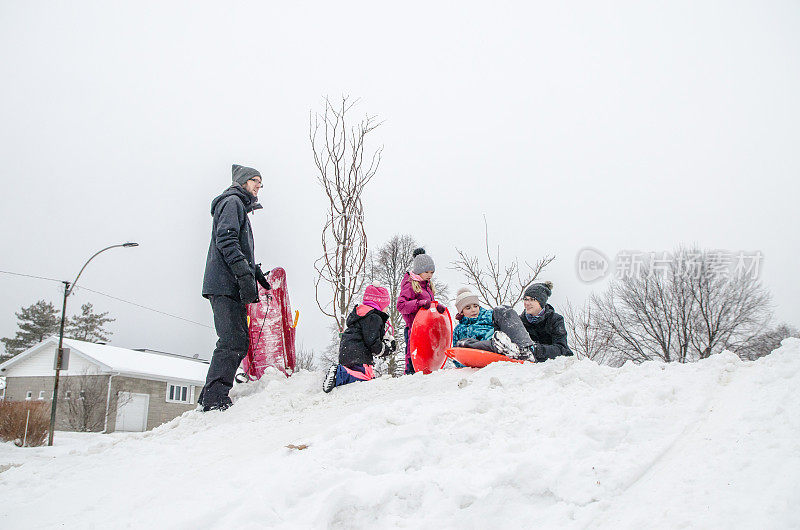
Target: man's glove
{"points": [[441, 308], [424, 304], [261, 278], [248, 293]]}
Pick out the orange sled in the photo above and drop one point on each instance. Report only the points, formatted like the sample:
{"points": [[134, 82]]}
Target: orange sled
{"points": [[478, 358]]}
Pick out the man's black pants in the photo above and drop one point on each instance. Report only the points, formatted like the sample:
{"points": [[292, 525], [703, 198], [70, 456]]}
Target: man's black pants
{"points": [[230, 321]]}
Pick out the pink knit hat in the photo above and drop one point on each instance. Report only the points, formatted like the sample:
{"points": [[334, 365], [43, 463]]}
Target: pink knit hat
{"points": [[378, 296]]}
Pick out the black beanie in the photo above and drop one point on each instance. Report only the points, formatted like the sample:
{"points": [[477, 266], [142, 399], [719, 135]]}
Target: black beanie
{"points": [[540, 292]]}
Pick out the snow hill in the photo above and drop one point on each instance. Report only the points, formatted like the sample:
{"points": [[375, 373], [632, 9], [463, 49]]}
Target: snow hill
{"points": [[564, 444]]}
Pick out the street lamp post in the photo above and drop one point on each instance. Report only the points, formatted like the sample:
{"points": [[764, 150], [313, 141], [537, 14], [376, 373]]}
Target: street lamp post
{"points": [[68, 287]]}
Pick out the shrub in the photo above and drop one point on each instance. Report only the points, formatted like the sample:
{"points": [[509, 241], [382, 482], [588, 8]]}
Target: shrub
{"points": [[13, 416]]}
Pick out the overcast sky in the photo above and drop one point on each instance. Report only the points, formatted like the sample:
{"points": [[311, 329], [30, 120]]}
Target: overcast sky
{"points": [[639, 126]]}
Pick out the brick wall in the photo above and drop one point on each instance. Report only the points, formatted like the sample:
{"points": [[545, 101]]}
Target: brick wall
{"points": [[69, 415], [159, 410]]}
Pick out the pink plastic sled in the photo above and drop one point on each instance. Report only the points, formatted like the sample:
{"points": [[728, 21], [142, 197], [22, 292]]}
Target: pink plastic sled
{"points": [[271, 329]]}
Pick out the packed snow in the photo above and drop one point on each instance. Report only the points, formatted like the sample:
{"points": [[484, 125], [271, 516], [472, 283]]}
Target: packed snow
{"points": [[562, 444]]}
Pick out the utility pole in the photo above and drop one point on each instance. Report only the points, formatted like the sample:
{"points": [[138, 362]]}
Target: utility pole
{"points": [[59, 358], [60, 352]]}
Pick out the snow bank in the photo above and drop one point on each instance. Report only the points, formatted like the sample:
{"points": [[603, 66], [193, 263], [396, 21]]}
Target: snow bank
{"points": [[565, 444]]}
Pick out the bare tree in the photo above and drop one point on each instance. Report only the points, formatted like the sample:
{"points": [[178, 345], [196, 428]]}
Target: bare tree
{"points": [[442, 291], [588, 338], [304, 359], [497, 283], [387, 266], [731, 310], [636, 312], [330, 355], [397, 362], [690, 310], [766, 342], [345, 168], [84, 400]]}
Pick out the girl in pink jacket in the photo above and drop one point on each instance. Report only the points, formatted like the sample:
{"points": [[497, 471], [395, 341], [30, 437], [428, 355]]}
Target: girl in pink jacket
{"points": [[416, 292]]}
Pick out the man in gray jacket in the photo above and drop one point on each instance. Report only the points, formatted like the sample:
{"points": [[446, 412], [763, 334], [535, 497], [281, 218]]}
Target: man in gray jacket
{"points": [[230, 282]]}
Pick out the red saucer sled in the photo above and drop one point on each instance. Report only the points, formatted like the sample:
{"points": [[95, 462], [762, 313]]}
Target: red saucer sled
{"points": [[478, 358], [271, 330], [431, 335]]}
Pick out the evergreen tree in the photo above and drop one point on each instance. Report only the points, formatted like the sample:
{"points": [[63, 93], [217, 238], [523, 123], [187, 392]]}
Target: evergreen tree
{"points": [[88, 326], [36, 323]]}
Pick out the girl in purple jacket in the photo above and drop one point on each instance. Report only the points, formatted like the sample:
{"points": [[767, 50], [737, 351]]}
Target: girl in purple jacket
{"points": [[416, 292]]}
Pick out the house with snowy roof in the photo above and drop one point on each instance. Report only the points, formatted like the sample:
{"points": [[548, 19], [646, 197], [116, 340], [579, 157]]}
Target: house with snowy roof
{"points": [[106, 388]]}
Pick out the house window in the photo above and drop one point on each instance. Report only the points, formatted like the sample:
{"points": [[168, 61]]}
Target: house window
{"points": [[82, 394], [41, 395], [28, 395], [68, 395], [177, 393]]}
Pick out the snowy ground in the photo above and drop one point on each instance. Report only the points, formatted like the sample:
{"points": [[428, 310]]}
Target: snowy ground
{"points": [[64, 443], [564, 444]]}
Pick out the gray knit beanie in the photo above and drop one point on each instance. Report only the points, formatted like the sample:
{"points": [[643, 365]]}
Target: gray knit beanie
{"points": [[540, 292], [242, 174], [422, 262], [465, 297]]}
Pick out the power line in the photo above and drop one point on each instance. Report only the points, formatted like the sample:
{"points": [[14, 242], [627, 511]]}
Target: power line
{"points": [[112, 297], [31, 276], [145, 307]]}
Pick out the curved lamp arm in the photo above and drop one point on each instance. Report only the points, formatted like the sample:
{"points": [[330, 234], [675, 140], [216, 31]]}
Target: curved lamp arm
{"points": [[126, 245]]}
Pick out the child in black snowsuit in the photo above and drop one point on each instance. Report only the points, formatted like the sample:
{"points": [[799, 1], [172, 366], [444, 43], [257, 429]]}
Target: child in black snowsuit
{"points": [[362, 340]]}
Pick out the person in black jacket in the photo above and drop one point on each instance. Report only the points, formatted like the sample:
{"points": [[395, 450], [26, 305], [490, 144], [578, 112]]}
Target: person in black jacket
{"points": [[363, 339], [543, 324], [229, 282]]}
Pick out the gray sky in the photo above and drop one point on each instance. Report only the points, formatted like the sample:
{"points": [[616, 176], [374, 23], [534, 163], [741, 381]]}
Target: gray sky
{"points": [[638, 126]]}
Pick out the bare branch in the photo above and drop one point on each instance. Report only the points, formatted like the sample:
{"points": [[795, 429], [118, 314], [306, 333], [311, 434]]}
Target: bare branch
{"points": [[339, 154], [498, 284]]}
